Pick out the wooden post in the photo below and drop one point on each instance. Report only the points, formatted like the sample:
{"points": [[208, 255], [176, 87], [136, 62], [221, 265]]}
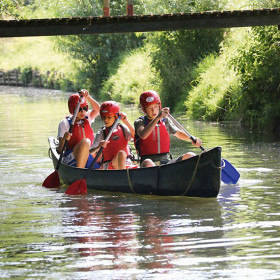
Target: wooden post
{"points": [[8, 75], [129, 8], [2, 77], [106, 8], [16, 72], [40, 79]]}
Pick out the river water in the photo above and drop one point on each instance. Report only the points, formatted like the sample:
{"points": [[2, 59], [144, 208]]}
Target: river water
{"points": [[45, 234]]}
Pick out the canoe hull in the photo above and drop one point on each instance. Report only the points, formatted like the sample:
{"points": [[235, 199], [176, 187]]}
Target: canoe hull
{"points": [[199, 176]]}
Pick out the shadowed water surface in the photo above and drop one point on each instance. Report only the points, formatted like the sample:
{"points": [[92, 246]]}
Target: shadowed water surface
{"points": [[47, 235]]}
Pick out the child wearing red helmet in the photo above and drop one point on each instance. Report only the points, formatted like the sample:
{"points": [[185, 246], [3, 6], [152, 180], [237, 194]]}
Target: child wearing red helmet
{"points": [[82, 136], [116, 153], [152, 131]]}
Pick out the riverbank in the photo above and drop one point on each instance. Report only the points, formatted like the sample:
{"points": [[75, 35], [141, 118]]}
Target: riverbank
{"points": [[35, 62], [31, 91], [34, 78]]}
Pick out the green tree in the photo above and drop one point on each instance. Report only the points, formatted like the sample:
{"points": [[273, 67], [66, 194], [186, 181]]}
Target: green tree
{"points": [[94, 54], [12, 8], [242, 83], [176, 53], [175, 56]]}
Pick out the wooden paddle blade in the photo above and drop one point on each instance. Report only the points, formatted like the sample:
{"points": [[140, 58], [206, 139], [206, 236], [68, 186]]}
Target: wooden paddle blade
{"points": [[52, 181], [78, 187], [229, 174]]}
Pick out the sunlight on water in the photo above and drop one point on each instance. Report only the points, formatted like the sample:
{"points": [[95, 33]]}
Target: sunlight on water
{"points": [[48, 235]]}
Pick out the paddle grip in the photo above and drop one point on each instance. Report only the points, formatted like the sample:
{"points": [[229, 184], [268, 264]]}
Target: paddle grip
{"points": [[202, 148], [194, 141]]}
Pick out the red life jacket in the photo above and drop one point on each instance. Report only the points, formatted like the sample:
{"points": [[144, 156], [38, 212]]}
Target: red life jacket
{"points": [[117, 143], [158, 142], [80, 132]]}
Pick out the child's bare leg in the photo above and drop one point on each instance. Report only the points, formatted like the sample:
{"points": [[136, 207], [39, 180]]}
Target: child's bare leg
{"points": [[188, 155], [118, 161], [147, 163], [81, 152]]}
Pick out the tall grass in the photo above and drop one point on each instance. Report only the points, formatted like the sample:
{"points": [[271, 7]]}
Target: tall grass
{"points": [[39, 53], [35, 52], [242, 82], [133, 76], [212, 95]]}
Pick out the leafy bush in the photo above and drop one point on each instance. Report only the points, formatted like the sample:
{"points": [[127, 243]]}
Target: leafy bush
{"points": [[133, 76], [175, 56], [26, 75], [212, 95]]}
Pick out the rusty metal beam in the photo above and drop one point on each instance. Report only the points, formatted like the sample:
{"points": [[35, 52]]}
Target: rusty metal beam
{"points": [[141, 23]]}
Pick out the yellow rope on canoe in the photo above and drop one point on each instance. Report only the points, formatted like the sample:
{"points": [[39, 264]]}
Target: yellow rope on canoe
{"points": [[129, 181], [193, 176]]}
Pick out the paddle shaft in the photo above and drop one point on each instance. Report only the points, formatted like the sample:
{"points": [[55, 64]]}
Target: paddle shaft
{"points": [[101, 148], [70, 130], [182, 128]]}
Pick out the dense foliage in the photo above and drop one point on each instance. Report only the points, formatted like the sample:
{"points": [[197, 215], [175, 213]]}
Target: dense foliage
{"points": [[134, 75], [175, 56], [94, 55], [242, 83], [259, 70]]}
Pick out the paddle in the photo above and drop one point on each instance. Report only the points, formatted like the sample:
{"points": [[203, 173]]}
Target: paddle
{"points": [[229, 174], [52, 181], [80, 186]]}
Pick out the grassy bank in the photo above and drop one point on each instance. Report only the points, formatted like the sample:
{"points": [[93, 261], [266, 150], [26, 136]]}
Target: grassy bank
{"points": [[131, 77], [242, 82], [38, 53]]}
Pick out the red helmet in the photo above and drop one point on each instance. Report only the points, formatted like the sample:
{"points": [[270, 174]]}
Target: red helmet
{"points": [[73, 102], [149, 97], [109, 108]]}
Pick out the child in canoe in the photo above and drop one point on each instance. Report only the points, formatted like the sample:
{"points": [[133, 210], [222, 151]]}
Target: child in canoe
{"points": [[152, 131], [116, 152], [82, 136]]}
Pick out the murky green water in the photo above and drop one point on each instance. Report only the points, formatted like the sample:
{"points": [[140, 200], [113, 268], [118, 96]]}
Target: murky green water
{"points": [[47, 235]]}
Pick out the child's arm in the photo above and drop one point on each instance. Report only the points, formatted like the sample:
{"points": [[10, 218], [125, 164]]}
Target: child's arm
{"points": [[127, 123], [183, 136], [145, 131], [95, 105], [63, 134], [98, 143]]}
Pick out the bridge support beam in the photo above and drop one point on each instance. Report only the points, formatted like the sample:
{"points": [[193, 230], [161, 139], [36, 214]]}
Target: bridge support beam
{"points": [[106, 8], [129, 8]]}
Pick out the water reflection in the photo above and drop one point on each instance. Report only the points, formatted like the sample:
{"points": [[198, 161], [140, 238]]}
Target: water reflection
{"points": [[125, 232]]}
